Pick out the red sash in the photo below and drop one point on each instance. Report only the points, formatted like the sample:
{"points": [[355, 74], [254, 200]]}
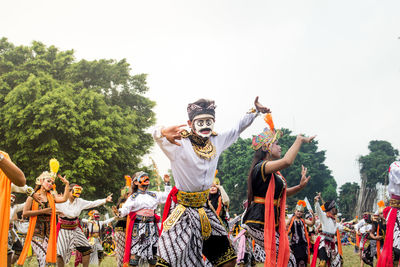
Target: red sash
{"points": [[386, 259]]}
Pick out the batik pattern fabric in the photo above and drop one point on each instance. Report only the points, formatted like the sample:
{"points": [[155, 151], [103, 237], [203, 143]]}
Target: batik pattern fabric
{"points": [[70, 240], [39, 247], [183, 244], [396, 232], [328, 251], [120, 246], [144, 239], [14, 243], [259, 253], [299, 244]]}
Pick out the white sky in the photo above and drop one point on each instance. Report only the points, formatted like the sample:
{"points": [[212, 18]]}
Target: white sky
{"points": [[330, 68]]}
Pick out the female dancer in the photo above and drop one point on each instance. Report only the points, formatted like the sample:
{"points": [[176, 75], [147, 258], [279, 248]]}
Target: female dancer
{"points": [[42, 224], [267, 190]]}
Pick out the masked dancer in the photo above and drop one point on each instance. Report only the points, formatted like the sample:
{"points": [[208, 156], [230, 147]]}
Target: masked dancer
{"points": [[70, 234], [191, 228], [94, 227], [142, 231]]}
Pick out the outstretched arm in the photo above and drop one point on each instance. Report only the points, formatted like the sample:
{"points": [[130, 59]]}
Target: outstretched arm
{"points": [[66, 191], [166, 138], [229, 137], [11, 170], [287, 160]]}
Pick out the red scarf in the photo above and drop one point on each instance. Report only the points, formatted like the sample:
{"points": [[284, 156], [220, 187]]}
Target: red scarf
{"points": [[171, 197], [269, 228], [386, 259], [128, 238]]}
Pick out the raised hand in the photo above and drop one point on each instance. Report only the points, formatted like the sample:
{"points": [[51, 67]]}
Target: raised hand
{"points": [[260, 107], [173, 133], [109, 198], [305, 139], [115, 211], [63, 179], [317, 197], [304, 179]]}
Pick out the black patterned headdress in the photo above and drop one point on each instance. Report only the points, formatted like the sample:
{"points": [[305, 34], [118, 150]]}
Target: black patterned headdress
{"points": [[201, 106]]}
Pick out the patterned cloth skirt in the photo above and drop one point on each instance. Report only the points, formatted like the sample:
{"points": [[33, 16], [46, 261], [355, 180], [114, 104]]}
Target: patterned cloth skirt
{"points": [[258, 236], [120, 246], [184, 244], [144, 239]]}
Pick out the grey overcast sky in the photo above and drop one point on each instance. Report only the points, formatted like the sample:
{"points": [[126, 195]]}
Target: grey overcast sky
{"points": [[330, 68]]}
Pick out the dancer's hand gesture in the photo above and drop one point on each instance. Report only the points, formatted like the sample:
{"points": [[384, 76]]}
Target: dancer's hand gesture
{"points": [[304, 179], [173, 133], [305, 139], [317, 197], [115, 210], [260, 107], [109, 198], [63, 179]]}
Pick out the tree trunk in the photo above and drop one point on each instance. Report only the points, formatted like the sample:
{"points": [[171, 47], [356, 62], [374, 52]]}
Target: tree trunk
{"points": [[366, 197]]}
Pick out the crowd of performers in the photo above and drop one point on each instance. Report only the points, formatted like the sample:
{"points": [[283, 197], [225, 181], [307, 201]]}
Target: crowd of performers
{"points": [[195, 228]]}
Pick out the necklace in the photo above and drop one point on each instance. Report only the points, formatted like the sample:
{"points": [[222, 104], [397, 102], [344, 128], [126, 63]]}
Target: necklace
{"points": [[203, 147]]}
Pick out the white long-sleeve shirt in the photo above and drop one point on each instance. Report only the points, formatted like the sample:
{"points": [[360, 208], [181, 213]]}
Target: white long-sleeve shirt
{"points": [[15, 209], [73, 209], [19, 189], [328, 225], [139, 201], [192, 173]]}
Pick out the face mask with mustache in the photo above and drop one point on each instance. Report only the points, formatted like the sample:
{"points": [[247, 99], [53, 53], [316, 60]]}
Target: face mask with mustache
{"points": [[203, 127]]}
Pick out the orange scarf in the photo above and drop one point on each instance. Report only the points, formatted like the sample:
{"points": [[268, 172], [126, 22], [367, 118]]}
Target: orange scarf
{"points": [[339, 243], [218, 211], [5, 205], [306, 234], [378, 244], [269, 228], [51, 255]]}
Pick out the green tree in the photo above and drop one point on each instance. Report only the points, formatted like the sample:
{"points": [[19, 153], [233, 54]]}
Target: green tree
{"points": [[90, 115], [235, 162], [348, 197], [373, 170]]}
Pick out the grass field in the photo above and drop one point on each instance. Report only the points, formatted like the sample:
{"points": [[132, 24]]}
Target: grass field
{"points": [[350, 260]]}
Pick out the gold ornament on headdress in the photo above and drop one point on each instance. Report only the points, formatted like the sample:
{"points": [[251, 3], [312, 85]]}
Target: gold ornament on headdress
{"points": [[265, 139]]}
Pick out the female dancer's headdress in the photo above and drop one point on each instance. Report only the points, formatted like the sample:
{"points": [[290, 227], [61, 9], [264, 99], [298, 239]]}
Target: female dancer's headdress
{"points": [[265, 139]]}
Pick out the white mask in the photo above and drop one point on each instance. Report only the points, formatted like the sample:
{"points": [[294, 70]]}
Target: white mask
{"points": [[203, 126]]}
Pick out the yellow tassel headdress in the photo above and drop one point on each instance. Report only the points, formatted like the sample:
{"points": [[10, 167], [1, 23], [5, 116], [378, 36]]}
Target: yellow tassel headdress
{"points": [[265, 139], [54, 166]]}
